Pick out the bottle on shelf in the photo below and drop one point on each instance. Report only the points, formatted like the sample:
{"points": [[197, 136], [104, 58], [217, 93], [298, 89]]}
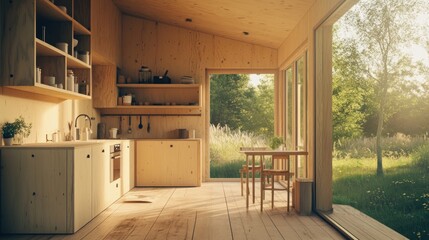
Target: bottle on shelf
{"points": [[70, 80]]}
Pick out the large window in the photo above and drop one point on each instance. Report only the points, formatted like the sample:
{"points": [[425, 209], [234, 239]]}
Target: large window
{"points": [[295, 103]]}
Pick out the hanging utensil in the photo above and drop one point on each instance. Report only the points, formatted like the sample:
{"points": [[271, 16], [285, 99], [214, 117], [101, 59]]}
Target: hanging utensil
{"points": [[120, 125], [129, 125], [148, 123], [140, 125]]}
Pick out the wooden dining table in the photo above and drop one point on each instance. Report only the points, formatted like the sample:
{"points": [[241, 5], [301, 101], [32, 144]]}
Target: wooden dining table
{"points": [[275, 155]]}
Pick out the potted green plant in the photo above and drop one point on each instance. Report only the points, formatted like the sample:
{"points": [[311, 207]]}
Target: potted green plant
{"points": [[17, 128], [276, 142]]}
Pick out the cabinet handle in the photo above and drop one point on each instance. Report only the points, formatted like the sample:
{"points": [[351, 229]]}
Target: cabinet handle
{"points": [[117, 185], [171, 145], [88, 156], [34, 193], [128, 146], [102, 150], [32, 155]]}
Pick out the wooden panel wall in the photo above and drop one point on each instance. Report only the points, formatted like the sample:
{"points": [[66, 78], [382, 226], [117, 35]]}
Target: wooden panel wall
{"points": [[106, 33], [104, 81], [186, 52], [320, 145], [182, 52], [18, 44]]}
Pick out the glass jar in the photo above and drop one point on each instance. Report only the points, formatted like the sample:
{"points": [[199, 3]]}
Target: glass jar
{"points": [[145, 75], [83, 88]]}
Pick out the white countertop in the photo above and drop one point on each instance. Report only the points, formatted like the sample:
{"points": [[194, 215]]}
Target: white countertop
{"points": [[72, 144], [69, 144]]}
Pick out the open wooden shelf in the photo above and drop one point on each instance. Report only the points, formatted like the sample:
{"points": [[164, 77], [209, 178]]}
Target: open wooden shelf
{"points": [[79, 29], [47, 50], [47, 9], [73, 62], [160, 107], [163, 86], [154, 110], [51, 91]]}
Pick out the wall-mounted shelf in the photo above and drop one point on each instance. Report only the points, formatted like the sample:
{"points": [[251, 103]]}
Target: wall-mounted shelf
{"points": [[159, 86], [52, 92], [29, 21]]}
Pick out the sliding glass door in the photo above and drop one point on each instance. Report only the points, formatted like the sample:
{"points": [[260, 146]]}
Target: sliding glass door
{"points": [[295, 102]]}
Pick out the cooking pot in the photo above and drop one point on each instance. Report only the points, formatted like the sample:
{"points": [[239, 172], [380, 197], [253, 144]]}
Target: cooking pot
{"points": [[162, 79]]}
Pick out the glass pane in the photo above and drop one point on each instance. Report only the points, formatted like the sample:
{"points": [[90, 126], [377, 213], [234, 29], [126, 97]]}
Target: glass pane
{"points": [[301, 112], [289, 108]]}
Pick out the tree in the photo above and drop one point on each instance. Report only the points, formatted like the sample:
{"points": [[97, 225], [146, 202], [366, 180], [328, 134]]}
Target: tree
{"points": [[382, 28], [229, 98], [260, 117], [233, 102], [351, 91]]}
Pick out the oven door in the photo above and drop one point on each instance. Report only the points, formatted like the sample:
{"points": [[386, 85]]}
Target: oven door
{"points": [[115, 166]]}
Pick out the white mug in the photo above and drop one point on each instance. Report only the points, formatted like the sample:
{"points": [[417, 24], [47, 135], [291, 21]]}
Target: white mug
{"points": [[113, 132]]}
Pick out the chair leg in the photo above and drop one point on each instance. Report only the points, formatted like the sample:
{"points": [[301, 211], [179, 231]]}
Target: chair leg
{"points": [[241, 181], [272, 191], [262, 191]]}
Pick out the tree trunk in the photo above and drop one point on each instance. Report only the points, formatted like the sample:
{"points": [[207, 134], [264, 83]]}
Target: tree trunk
{"points": [[378, 141]]}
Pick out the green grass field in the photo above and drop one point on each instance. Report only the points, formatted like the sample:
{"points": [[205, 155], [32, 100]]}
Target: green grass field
{"points": [[399, 200]]}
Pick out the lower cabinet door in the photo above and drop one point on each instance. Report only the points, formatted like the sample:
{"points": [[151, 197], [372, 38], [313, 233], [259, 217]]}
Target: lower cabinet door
{"points": [[168, 163], [82, 187], [34, 191]]}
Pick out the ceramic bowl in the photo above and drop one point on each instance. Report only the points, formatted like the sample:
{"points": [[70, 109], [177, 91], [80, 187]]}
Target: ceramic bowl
{"points": [[49, 80]]}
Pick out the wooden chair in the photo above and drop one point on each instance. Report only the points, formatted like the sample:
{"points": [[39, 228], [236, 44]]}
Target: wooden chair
{"points": [[247, 168], [272, 173]]}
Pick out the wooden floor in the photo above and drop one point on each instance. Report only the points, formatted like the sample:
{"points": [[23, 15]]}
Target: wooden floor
{"points": [[214, 211], [358, 225]]}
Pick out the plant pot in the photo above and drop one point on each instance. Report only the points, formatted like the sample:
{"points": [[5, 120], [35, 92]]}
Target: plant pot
{"points": [[7, 141]]}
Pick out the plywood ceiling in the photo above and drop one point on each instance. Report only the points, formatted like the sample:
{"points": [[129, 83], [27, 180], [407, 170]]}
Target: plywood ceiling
{"points": [[268, 22]]}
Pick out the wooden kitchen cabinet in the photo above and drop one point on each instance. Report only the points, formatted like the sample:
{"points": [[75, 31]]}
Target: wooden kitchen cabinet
{"points": [[168, 163], [127, 166], [23, 47], [100, 178], [45, 190], [82, 187], [180, 99]]}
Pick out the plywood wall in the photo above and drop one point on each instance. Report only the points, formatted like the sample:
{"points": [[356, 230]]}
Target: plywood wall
{"points": [[45, 116], [106, 24], [186, 52], [182, 52]]}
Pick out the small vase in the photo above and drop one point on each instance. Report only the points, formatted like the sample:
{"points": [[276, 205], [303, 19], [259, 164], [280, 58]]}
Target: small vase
{"points": [[7, 141], [18, 139]]}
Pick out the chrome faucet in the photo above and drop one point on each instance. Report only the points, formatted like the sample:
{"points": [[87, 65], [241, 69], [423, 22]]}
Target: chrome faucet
{"points": [[77, 137]]}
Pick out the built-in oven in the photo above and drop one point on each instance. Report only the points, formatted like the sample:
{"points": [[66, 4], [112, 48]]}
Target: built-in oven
{"points": [[115, 162]]}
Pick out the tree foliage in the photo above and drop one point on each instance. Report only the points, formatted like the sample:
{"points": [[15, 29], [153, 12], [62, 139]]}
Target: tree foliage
{"points": [[236, 104], [350, 91]]}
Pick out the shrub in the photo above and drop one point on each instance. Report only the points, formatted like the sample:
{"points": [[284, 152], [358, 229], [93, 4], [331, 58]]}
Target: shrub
{"points": [[421, 157]]}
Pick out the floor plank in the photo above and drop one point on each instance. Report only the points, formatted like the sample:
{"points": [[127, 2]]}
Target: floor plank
{"points": [[216, 210], [360, 225]]}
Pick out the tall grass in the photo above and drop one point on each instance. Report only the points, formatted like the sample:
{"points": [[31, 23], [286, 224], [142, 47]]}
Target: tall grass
{"points": [[225, 144], [225, 157], [395, 146]]}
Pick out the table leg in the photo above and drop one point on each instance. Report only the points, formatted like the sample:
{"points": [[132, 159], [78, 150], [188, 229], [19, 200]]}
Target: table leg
{"points": [[253, 178], [247, 181], [288, 183]]}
